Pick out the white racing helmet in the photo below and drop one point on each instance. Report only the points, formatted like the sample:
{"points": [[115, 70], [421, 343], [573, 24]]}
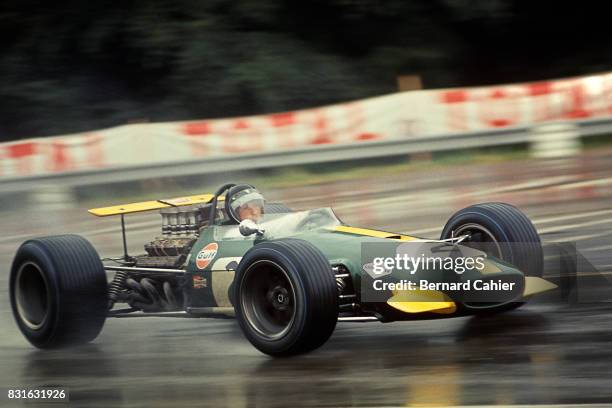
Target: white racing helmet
{"points": [[242, 195]]}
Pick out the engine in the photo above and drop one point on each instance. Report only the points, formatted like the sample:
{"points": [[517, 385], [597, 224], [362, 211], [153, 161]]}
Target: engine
{"points": [[182, 221], [179, 231], [156, 290]]}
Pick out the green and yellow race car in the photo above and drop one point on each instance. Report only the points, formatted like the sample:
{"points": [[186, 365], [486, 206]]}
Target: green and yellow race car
{"points": [[287, 276]]}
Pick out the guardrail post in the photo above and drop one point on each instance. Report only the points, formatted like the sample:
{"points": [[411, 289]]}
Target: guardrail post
{"points": [[553, 140]]}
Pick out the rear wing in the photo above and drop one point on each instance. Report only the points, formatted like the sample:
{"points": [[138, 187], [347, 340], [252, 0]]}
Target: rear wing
{"points": [[122, 209]]}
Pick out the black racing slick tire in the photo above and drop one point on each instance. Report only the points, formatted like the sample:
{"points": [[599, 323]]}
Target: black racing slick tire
{"points": [[286, 297], [58, 291], [276, 208], [501, 227]]}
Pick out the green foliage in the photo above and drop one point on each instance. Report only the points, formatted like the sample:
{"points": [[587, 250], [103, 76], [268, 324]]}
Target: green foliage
{"points": [[76, 65]]}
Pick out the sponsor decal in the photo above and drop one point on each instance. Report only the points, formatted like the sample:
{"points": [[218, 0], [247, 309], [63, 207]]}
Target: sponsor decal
{"points": [[206, 255], [199, 282]]}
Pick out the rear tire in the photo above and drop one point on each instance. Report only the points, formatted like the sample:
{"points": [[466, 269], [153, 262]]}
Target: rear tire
{"points": [[58, 291], [286, 297]]}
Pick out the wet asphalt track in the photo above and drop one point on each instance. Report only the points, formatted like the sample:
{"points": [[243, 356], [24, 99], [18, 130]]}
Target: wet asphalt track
{"points": [[552, 351]]}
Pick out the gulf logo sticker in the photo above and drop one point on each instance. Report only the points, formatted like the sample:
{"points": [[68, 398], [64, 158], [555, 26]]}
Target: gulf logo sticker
{"points": [[206, 255]]}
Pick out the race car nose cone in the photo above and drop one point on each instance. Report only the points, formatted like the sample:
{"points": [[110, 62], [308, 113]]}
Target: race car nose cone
{"points": [[493, 290]]}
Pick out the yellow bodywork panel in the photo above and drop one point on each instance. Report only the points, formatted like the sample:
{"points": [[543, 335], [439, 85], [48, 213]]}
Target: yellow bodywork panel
{"points": [[151, 205], [421, 301], [534, 285], [373, 233]]}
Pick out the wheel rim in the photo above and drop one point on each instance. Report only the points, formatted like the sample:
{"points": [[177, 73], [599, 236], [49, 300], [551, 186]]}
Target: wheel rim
{"points": [[480, 238], [32, 295], [267, 299]]}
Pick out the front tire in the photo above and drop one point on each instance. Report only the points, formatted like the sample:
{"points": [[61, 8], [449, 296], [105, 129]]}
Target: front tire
{"points": [[286, 297], [503, 231], [58, 291], [500, 230]]}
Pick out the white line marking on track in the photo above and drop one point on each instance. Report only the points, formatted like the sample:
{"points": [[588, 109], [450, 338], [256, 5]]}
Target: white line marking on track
{"points": [[572, 216], [562, 228], [542, 182], [597, 248], [594, 182], [582, 237]]}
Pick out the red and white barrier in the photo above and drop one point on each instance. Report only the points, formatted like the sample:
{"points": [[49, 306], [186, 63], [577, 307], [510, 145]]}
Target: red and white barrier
{"points": [[391, 117]]}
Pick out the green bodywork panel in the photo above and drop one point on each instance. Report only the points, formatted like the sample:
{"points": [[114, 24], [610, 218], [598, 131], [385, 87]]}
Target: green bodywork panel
{"points": [[339, 247]]}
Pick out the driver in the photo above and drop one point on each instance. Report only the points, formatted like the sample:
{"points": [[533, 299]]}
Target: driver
{"points": [[243, 202]]}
